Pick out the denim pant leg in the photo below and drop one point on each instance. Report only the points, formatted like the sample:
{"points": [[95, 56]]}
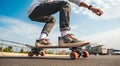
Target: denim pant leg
{"points": [[65, 11], [43, 12], [49, 23]]}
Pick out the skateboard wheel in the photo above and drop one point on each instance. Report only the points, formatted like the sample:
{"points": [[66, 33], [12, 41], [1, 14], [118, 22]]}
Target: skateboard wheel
{"points": [[30, 54], [42, 53], [85, 54], [73, 55]]}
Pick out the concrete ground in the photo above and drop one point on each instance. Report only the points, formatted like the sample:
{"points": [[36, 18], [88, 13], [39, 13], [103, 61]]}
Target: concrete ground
{"points": [[51, 60]]}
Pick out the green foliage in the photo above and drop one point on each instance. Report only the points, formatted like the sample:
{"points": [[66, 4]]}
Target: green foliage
{"points": [[22, 51], [48, 52], [0, 49], [8, 49]]}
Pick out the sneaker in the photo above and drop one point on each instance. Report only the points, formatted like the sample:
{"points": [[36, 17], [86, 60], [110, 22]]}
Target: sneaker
{"points": [[70, 41], [42, 42], [69, 38]]}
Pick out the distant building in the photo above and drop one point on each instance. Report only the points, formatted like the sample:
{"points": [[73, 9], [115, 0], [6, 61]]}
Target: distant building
{"points": [[110, 51], [98, 49]]}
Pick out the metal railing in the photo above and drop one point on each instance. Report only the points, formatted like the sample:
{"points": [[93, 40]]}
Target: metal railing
{"points": [[13, 44]]}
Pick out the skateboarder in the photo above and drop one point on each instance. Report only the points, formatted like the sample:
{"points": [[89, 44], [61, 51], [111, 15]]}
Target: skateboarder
{"points": [[42, 10]]}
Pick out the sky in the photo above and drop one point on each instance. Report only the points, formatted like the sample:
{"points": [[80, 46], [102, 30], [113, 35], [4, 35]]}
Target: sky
{"points": [[85, 25]]}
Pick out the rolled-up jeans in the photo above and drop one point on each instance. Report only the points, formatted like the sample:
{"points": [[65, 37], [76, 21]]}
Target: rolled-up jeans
{"points": [[43, 13]]}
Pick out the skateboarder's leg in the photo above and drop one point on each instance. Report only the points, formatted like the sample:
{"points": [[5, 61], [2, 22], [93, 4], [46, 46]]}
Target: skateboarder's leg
{"points": [[49, 23], [64, 24], [42, 14]]}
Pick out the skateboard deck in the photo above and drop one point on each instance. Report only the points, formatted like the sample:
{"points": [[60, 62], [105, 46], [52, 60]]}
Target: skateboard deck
{"points": [[81, 44]]}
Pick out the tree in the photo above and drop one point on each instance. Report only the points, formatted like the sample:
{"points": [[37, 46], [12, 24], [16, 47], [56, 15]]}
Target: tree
{"points": [[21, 51], [8, 49], [1, 49]]}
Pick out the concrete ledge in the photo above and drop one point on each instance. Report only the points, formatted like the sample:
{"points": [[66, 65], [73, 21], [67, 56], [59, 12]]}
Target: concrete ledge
{"points": [[12, 54], [23, 54]]}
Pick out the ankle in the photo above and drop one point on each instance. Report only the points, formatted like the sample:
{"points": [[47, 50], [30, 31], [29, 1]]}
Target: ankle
{"points": [[42, 36], [63, 33]]}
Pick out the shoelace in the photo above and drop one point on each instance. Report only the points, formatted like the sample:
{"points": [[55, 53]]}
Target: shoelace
{"points": [[44, 41], [69, 38]]}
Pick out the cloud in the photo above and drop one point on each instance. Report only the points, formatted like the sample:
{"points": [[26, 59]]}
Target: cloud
{"points": [[113, 13], [109, 38], [111, 9], [18, 30]]}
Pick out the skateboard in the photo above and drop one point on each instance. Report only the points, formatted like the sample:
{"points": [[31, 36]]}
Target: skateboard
{"points": [[76, 50]]}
